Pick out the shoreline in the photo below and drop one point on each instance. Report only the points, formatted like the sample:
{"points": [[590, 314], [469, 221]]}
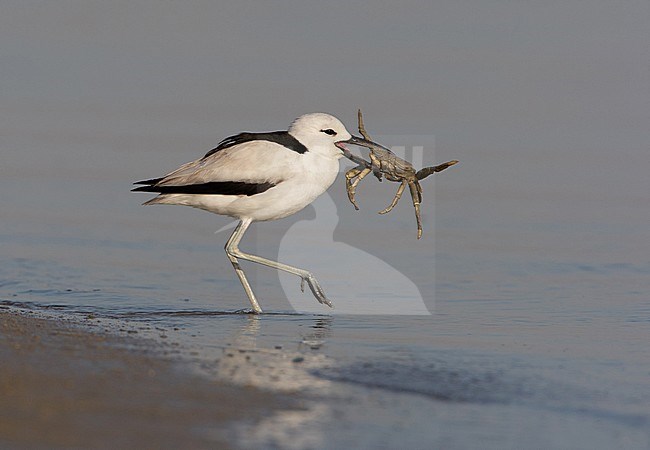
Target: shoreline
{"points": [[65, 386]]}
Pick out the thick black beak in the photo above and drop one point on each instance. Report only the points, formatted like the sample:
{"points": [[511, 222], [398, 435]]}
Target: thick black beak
{"points": [[355, 140]]}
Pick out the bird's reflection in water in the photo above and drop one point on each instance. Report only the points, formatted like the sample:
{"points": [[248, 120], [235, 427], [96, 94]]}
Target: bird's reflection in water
{"points": [[246, 336], [277, 352], [280, 353], [322, 329], [257, 332]]}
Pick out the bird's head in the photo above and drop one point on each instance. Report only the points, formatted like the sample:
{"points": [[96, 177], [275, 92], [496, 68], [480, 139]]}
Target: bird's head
{"points": [[322, 132]]}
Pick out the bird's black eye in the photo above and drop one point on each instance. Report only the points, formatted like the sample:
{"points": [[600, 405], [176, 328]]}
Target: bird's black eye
{"points": [[329, 131]]}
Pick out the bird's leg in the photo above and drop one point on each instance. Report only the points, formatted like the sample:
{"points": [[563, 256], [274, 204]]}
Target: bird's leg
{"points": [[232, 249], [398, 195], [416, 194]]}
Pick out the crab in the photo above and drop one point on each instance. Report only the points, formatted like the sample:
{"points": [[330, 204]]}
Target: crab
{"points": [[385, 163]]}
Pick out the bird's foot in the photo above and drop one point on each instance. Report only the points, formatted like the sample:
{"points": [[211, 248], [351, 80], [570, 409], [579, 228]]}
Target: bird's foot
{"points": [[247, 311], [314, 285]]}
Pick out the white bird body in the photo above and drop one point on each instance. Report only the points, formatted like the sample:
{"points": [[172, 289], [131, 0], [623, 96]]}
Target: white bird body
{"points": [[259, 177], [298, 178]]}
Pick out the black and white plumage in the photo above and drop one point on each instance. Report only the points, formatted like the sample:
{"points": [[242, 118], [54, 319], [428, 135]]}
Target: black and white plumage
{"points": [[259, 177]]}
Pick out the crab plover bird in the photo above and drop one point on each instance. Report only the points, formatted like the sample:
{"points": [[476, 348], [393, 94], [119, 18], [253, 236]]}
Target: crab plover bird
{"points": [[258, 177]]}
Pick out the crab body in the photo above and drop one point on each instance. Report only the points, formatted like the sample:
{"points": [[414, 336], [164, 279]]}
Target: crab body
{"points": [[385, 163]]}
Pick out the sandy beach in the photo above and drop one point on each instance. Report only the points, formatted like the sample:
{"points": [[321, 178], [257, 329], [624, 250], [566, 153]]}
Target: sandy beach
{"points": [[65, 387]]}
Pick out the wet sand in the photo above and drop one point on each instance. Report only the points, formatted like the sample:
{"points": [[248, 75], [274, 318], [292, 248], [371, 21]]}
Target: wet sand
{"points": [[66, 387]]}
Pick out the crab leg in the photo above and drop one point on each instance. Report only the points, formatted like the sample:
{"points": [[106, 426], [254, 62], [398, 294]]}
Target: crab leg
{"points": [[416, 194], [423, 173], [350, 185], [398, 195]]}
